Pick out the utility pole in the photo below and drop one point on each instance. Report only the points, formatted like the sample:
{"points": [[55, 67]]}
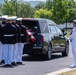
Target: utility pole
{"points": [[16, 7]]}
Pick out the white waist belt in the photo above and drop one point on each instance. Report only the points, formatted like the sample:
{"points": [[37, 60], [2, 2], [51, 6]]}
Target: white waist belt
{"points": [[9, 35]]}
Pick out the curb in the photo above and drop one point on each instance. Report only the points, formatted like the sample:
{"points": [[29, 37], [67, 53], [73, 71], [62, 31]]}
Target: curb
{"points": [[60, 71]]}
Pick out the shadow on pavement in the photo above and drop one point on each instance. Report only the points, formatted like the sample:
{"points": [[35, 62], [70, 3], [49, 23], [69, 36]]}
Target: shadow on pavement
{"points": [[41, 57]]}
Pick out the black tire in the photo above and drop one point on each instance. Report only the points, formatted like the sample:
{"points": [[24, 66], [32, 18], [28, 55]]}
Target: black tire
{"points": [[66, 52], [49, 53]]}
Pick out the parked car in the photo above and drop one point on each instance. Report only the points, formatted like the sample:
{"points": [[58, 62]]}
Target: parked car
{"points": [[49, 38]]}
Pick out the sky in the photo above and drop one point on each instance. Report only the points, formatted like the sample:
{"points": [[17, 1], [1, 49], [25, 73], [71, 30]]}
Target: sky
{"points": [[34, 0]]}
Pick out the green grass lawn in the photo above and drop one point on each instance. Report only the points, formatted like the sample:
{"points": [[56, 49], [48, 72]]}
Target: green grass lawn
{"points": [[73, 72], [68, 32]]}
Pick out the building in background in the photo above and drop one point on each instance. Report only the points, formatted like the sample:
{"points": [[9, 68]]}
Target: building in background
{"points": [[69, 26]]}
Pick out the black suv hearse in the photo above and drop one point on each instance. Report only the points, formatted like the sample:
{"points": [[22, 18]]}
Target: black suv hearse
{"points": [[48, 38]]}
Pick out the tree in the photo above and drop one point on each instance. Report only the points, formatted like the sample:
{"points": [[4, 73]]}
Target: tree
{"points": [[25, 10], [60, 11], [9, 7], [41, 5], [43, 13], [49, 4], [72, 10], [18, 8], [1, 9]]}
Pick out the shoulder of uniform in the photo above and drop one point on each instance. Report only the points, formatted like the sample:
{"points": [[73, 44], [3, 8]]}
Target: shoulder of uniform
{"points": [[2, 26], [24, 26], [13, 25], [17, 25]]}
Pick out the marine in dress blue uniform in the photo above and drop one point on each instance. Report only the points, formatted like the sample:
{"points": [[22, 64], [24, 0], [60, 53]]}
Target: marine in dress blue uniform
{"points": [[22, 40], [4, 21], [8, 38], [16, 45]]}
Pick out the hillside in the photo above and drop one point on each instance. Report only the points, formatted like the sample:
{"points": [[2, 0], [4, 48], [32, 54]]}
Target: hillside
{"points": [[34, 3]]}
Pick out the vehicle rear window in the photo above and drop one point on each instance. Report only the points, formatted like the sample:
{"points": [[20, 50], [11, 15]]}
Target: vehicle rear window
{"points": [[31, 24]]}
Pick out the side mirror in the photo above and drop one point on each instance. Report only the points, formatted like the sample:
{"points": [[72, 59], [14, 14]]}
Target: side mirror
{"points": [[65, 33]]}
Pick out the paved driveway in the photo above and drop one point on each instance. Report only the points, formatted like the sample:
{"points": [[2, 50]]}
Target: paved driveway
{"points": [[38, 65]]}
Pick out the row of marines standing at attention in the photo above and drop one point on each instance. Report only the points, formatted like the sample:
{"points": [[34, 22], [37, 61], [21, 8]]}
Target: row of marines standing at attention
{"points": [[12, 39]]}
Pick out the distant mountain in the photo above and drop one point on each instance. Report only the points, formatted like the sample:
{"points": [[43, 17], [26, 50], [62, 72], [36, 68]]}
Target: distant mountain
{"points": [[34, 3]]}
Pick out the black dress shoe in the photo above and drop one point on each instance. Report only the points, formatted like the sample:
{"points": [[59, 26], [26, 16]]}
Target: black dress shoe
{"points": [[20, 63], [3, 61], [14, 64], [7, 65]]}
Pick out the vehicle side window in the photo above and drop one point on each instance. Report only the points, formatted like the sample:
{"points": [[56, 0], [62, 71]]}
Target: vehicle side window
{"points": [[53, 29], [58, 30]]}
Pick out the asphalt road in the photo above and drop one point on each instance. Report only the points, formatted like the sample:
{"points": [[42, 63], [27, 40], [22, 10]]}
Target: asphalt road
{"points": [[38, 65]]}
